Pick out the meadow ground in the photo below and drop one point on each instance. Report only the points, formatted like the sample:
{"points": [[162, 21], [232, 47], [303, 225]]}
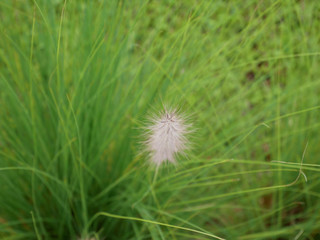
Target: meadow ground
{"points": [[79, 78]]}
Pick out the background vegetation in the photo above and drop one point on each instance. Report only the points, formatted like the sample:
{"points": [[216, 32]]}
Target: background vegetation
{"points": [[78, 78]]}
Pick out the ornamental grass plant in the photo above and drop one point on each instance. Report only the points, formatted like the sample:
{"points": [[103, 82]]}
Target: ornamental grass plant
{"points": [[78, 78]]}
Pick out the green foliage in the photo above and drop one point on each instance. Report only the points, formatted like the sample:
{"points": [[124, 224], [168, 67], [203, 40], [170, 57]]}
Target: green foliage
{"points": [[78, 79]]}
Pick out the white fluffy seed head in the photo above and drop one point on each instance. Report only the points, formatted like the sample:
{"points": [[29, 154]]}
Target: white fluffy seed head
{"points": [[166, 137]]}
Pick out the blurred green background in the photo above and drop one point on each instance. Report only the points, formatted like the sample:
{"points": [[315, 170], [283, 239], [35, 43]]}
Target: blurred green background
{"points": [[79, 78]]}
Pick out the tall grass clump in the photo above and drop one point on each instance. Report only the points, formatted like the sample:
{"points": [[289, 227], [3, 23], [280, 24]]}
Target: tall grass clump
{"points": [[78, 78]]}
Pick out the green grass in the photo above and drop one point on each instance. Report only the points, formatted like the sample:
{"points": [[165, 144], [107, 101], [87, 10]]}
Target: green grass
{"points": [[79, 78]]}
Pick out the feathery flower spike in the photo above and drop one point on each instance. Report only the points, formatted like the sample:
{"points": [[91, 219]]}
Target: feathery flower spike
{"points": [[167, 136]]}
